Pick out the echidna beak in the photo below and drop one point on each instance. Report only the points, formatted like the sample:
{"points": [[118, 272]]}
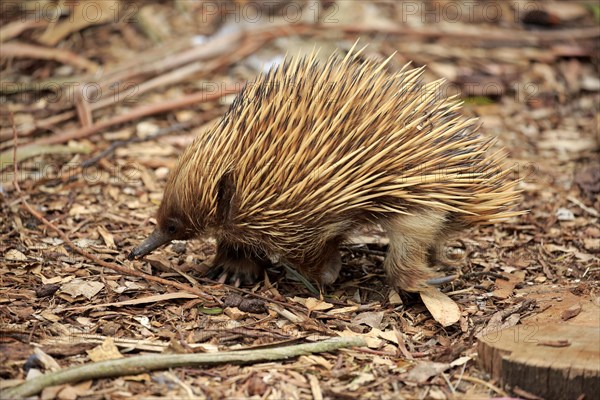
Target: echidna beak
{"points": [[152, 242]]}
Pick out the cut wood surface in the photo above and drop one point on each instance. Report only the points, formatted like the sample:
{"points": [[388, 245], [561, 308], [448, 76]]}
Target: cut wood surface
{"points": [[552, 361]]}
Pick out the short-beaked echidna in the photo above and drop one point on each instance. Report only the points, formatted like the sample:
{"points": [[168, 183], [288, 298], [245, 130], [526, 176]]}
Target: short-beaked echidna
{"points": [[312, 150]]}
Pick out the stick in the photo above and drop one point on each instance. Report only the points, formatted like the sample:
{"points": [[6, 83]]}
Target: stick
{"points": [[22, 50], [139, 364]]}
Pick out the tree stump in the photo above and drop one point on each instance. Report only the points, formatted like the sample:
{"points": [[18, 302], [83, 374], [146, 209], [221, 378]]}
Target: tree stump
{"points": [[552, 361]]}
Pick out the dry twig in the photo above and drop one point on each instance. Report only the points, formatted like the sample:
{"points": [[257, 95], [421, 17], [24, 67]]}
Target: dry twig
{"points": [[17, 49], [140, 364]]}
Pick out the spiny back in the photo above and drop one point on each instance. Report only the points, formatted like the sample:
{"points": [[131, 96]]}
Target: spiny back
{"points": [[310, 144]]}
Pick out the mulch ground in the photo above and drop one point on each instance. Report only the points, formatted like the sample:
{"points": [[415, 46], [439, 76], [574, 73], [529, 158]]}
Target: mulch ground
{"points": [[532, 81]]}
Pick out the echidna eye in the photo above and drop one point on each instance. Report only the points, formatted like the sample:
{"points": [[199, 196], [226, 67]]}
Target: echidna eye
{"points": [[171, 228]]}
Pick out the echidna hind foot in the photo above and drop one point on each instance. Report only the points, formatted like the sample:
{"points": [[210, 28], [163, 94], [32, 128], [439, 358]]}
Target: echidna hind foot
{"points": [[330, 264], [411, 237], [237, 265]]}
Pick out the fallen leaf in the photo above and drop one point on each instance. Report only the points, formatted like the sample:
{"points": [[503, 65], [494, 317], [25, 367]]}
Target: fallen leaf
{"points": [[234, 313], [148, 299], [371, 318], [80, 287], [371, 338], [592, 245], [568, 11], [15, 255], [394, 298], [50, 316], [159, 262], [317, 305], [390, 335], [442, 308], [460, 361], [108, 238], [360, 380], [342, 310], [47, 361], [73, 392], [106, 351], [314, 359], [210, 311], [425, 370], [312, 304]]}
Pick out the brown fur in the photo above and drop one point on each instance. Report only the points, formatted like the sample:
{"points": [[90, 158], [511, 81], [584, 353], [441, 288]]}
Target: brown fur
{"points": [[411, 239], [311, 150], [245, 264]]}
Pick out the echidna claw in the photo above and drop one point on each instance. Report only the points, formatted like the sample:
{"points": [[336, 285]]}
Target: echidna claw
{"points": [[236, 272], [441, 280], [216, 273]]}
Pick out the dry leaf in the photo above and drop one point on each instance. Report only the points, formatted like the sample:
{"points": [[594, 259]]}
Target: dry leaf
{"points": [[317, 305], [50, 316], [371, 318], [394, 298], [425, 370], [47, 361], [390, 335], [73, 392], [106, 351], [342, 310], [314, 359], [108, 238], [80, 287], [312, 304], [460, 361], [15, 255], [372, 340], [442, 308], [592, 245], [234, 313]]}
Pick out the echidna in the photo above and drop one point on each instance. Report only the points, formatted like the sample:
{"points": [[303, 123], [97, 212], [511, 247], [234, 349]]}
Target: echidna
{"points": [[312, 150]]}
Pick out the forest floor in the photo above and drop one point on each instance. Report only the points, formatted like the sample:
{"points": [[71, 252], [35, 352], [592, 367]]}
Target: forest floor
{"points": [[104, 106]]}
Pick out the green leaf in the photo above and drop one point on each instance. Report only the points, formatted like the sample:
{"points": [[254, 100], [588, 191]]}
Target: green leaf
{"points": [[210, 311]]}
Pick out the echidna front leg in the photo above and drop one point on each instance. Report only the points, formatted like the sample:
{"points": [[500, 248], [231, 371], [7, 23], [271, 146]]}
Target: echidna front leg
{"points": [[411, 238], [237, 264]]}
